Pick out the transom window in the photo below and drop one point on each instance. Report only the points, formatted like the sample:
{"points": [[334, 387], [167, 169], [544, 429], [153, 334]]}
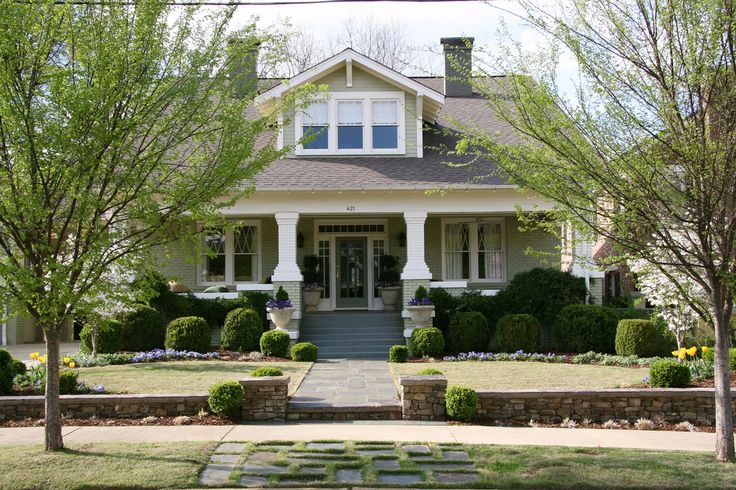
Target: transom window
{"points": [[352, 228], [235, 255], [474, 250], [353, 123]]}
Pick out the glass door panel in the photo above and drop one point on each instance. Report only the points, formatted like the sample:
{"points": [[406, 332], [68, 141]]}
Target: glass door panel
{"points": [[352, 273]]}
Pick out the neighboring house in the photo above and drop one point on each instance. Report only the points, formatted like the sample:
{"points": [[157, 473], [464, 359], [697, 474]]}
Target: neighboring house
{"points": [[359, 189]]}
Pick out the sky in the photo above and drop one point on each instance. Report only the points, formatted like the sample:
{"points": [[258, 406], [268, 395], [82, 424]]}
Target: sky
{"points": [[424, 23]]}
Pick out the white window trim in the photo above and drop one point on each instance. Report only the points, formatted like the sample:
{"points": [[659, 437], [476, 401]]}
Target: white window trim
{"points": [[230, 257], [473, 249], [366, 97]]}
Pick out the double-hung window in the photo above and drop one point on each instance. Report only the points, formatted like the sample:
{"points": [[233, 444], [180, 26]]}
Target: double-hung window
{"points": [[234, 255], [354, 123], [474, 250]]}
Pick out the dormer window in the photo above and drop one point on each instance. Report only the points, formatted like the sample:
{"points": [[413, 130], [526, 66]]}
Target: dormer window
{"points": [[353, 123]]}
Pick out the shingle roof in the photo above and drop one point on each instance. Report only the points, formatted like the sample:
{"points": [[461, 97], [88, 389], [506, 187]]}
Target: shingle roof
{"points": [[437, 169]]}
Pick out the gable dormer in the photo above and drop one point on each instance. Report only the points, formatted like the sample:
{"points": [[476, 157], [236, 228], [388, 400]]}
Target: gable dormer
{"points": [[367, 110]]}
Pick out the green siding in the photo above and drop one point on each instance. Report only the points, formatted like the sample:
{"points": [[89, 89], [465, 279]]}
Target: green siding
{"points": [[362, 82]]}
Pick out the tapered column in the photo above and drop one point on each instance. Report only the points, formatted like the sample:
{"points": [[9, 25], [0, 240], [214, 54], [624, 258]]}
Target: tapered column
{"points": [[287, 270], [416, 267]]}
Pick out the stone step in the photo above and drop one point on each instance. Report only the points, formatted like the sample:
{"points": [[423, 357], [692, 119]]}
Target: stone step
{"points": [[304, 410]]}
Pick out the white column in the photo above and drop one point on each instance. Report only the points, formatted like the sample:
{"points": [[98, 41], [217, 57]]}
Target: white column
{"points": [[416, 267], [287, 269]]}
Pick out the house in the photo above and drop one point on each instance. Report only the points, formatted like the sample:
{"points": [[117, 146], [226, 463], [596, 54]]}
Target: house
{"points": [[362, 187]]}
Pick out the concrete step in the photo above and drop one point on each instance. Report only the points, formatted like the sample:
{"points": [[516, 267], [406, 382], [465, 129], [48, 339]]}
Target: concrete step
{"points": [[298, 410], [352, 335]]}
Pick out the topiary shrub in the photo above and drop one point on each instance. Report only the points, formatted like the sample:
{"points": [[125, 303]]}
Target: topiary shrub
{"points": [[430, 372], [266, 371], [667, 373], [242, 330], [142, 329], [709, 357], [460, 403], [8, 371], [275, 343], [582, 328], [398, 353], [304, 352], [189, 333], [427, 342], [518, 332], [108, 337], [281, 294], [68, 382], [226, 399], [641, 338], [468, 331], [421, 292]]}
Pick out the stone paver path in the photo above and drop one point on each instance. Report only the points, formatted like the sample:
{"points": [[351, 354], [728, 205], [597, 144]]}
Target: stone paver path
{"points": [[312, 464], [347, 382]]}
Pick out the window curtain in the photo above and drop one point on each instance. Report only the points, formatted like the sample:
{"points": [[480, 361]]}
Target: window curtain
{"points": [[457, 250], [490, 251], [385, 113], [315, 114], [350, 113]]}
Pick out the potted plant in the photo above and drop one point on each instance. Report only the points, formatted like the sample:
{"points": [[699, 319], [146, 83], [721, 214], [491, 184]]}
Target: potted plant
{"points": [[389, 281], [313, 288], [421, 308], [280, 309]]}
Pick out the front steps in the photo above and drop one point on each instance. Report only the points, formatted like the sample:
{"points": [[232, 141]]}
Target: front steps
{"points": [[352, 334]]}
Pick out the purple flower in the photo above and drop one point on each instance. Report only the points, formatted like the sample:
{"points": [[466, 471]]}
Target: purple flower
{"points": [[646, 380], [420, 302], [278, 304]]}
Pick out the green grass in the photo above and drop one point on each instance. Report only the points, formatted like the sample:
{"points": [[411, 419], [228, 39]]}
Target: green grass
{"points": [[502, 375], [182, 376], [104, 465]]}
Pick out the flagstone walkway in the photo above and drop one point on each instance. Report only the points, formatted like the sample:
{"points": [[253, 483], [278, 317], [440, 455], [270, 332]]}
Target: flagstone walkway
{"points": [[347, 383]]}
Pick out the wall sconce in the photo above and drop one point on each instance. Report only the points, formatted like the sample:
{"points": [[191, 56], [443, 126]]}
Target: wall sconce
{"points": [[300, 240], [402, 239]]}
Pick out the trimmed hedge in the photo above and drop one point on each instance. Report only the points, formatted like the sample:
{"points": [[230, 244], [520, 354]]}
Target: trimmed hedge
{"points": [[108, 337], [461, 403], [9, 368], [669, 374], [518, 332], [275, 343], [710, 357], [427, 341], [468, 331], [226, 399], [189, 333], [304, 352], [242, 330], [141, 329], [641, 338], [398, 353], [583, 328], [266, 371]]}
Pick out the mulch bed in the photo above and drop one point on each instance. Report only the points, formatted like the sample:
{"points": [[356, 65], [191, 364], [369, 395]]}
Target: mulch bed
{"points": [[659, 426], [98, 421]]}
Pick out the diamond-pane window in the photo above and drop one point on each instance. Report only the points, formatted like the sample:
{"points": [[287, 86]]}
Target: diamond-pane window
{"points": [[245, 253], [214, 264]]}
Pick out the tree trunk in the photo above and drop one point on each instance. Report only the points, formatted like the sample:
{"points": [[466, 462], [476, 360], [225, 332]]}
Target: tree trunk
{"points": [[53, 410], [94, 330], [724, 409]]}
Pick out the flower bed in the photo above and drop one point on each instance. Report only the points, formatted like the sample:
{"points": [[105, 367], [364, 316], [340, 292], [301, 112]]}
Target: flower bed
{"points": [[503, 356]]}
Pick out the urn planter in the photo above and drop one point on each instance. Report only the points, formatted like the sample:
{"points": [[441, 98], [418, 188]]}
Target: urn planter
{"points": [[311, 298], [281, 317], [390, 297], [421, 315]]}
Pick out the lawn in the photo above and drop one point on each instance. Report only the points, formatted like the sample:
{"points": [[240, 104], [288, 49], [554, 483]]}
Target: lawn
{"points": [[104, 465], [182, 376], [501, 375]]}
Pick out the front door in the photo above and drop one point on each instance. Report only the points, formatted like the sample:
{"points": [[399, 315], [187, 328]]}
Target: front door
{"points": [[352, 273]]}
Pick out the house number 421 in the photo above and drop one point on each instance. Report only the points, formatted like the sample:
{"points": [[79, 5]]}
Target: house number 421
{"points": [[350, 208]]}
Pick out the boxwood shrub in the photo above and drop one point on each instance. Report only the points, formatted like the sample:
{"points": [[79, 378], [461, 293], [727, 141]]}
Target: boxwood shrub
{"points": [[9, 368], [398, 353], [141, 329], [427, 341], [518, 332], [242, 330], [710, 357], [445, 305], [582, 328], [430, 372], [468, 331], [108, 337], [641, 338], [304, 352], [266, 371], [226, 399], [275, 343], [668, 373], [189, 333], [461, 402]]}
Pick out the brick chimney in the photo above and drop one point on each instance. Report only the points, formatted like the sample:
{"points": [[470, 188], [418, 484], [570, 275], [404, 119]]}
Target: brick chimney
{"points": [[458, 65], [243, 66]]}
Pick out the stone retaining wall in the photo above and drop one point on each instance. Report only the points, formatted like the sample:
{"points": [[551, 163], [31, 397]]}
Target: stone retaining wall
{"points": [[116, 406], [673, 405], [423, 397], [313, 411], [265, 398]]}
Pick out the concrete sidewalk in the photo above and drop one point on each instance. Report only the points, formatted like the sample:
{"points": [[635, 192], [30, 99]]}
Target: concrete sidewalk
{"points": [[376, 431]]}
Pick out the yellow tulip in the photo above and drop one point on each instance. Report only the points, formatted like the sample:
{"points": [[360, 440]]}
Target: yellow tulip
{"points": [[683, 353], [704, 349], [692, 351], [67, 360], [33, 355], [676, 353], [72, 364], [41, 359]]}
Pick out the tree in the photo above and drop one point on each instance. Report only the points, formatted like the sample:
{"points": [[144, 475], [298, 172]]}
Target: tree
{"points": [[642, 154], [118, 123], [382, 42]]}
